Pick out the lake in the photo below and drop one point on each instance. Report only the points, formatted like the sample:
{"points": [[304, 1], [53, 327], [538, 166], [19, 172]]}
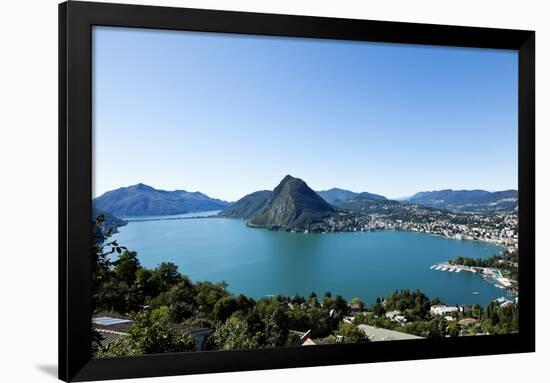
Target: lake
{"points": [[259, 262]]}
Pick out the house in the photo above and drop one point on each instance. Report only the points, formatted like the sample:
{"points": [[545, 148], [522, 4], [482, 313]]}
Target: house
{"points": [[396, 316], [443, 310], [356, 307], [503, 302], [305, 338], [303, 335], [309, 342]]}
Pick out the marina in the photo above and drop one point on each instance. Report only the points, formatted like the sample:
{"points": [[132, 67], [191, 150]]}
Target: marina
{"points": [[489, 274]]}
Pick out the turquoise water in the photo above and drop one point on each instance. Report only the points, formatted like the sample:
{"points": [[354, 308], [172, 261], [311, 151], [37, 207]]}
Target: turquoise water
{"points": [[258, 262]]}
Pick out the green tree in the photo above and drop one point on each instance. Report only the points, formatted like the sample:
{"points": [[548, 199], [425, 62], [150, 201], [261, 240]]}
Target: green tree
{"points": [[328, 302], [146, 284], [341, 305], [293, 339], [207, 295], [277, 326], [111, 295], [378, 308], [169, 274], [454, 329], [126, 267], [150, 334], [102, 273], [437, 327], [233, 335], [298, 299], [351, 333], [179, 311], [226, 306], [359, 303], [183, 291], [420, 328]]}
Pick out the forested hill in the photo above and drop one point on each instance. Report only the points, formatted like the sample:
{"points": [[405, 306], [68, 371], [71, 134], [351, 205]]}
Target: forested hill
{"points": [[478, 201], [140, 200], [336, 195], [247, 206]]}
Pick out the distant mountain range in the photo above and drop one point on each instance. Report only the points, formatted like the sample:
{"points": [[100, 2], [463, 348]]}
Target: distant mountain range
{"points": [[468, 201], [460, 201], [365, 204], [140, 200], [294, 203], [336, 195]]}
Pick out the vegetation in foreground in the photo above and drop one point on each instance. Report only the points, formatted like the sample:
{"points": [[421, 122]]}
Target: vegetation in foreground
{"points": [[163, 303]]}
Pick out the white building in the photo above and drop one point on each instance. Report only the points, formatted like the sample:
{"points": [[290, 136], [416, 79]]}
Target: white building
{"points": [[443, 310], [396, 316]]}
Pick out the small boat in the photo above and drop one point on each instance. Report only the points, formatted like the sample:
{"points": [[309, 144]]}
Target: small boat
{"points": [[432, 267], [458, 271], [451, 270], [443, 268], [438, 267], [475, 293]]}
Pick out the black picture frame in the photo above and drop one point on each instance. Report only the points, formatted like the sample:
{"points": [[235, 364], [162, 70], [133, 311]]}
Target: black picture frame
{"points": [[75, 185]]}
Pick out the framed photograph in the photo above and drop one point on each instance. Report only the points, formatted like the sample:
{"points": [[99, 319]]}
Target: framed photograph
{"points": [[244, 191]]}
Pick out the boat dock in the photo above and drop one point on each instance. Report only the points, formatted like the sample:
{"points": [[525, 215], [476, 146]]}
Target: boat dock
{"points": [[451, 268], [492, 275]]}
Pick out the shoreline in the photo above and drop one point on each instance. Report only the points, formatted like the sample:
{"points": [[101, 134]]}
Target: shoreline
{"points": [[502, 246], [464, 301], [497, 243]]}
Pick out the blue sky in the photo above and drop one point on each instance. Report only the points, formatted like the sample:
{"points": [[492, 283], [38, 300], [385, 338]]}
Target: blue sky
{"points": [[231, 114]]}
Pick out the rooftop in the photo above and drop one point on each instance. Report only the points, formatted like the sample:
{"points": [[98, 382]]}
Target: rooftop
{"points": [[376, 334], [108, 321]]}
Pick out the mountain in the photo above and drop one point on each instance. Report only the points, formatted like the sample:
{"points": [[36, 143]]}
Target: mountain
{"points": [[336, 195], [372, 196], [247, 206], [292, 205], [478, 201], [367, 203], [141, 199]]}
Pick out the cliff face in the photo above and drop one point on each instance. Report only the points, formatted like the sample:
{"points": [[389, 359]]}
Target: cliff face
{"points": [[293, 205]]}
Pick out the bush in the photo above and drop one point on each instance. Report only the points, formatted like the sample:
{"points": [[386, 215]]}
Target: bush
{"points": [[234, 334], [351, 333], [150, 334]]}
